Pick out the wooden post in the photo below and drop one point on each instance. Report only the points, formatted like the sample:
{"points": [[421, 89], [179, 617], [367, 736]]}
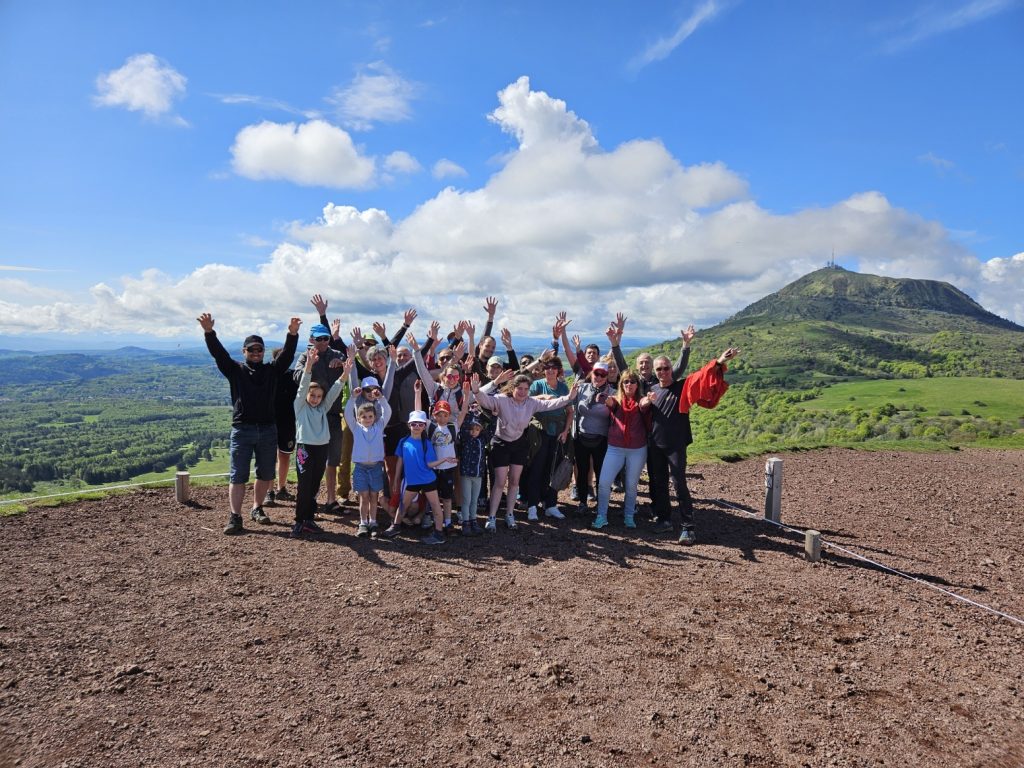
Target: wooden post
{"points": [[812, 546], [181, 487], [773, 490]]}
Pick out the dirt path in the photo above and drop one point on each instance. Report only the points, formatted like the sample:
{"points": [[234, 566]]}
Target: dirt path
{"points": [[133, 633]]}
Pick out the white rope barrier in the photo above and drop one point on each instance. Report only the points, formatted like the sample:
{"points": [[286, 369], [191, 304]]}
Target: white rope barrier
{"points": [[84, 491], [858, 556]]}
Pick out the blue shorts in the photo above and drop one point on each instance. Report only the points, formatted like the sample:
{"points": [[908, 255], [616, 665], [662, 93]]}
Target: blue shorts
{"points": [[368, 477], [248, 440]]}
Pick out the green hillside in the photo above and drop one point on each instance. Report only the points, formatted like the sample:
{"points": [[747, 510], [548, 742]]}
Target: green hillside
{"points": [[833, 325], [839, 358]]}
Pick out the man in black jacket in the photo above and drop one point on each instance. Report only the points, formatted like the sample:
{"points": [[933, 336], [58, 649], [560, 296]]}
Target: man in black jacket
{"points": [[253, 422]]}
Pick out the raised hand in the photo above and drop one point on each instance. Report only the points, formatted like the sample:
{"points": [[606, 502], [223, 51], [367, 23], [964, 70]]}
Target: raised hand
{"points": [[311, 358], [417, 385], [506, 338], [576, 341], [612, 335], [504, 376], [620, 321], [547, 354], [458, 349], [409, 316], [320, 303], [349, 362], [382, 332], [335, 363], [411, 339], [474, 383], [434, 330], [357, 336], [206, 321], [336, 328], [688, 334], [491, 306], [728, 354], [470, 327], [293, 326]]}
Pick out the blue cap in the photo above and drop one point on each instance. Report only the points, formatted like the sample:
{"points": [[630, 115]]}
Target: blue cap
{"points": [[319, 330]]}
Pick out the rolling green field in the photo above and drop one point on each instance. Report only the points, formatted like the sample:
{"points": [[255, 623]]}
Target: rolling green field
{"points": [[991, 398]]}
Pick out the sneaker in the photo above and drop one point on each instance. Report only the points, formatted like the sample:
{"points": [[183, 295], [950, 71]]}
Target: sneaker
{"points": [[531, 514], [618, 486], [372, 525], [630, 522], [449, 528], [510, 520], [688, 535], [434, 537], [331, 508], [259, 516], [284, 495], [582, 509], [391, 531], [234, 525], [269, 500], [599, 522], [491, 526], [554, 512], [363, 531], [574, 494], [428, 522], [662, 526], [297, 529], [308, 526], [474, 528]]}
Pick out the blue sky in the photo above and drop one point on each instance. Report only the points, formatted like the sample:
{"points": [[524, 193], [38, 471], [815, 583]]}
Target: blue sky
{"points": [[675, 164]]}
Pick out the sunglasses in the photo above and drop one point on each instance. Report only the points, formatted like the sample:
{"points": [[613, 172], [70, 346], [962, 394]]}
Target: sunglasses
{"points": [[371, 391], [634, 383], [322, 338], [600, 374], [420, 424], [663, 368], [452, 376], [254, 349]]}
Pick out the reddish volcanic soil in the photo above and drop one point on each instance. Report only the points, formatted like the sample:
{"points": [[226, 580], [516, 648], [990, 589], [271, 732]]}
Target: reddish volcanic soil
{"points": [[133, 633]]}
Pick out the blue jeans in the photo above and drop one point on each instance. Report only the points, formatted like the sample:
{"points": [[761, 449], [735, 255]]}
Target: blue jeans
{"points": [[633, 459], [248, 440]]}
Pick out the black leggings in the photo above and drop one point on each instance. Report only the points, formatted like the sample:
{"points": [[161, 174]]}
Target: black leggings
{"points": [[310, 462], [539, 492], [584, 454]]}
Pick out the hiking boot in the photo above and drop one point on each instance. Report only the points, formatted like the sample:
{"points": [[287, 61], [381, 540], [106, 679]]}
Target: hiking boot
{"points": [[531, 514], [284, 495], [630, 522], [688, 536], [363, 531], [259, 516], [391, 532], [308, 526], [554, 512], [269, 500], [234, 525], [510, 520], [600, 522], [434, 537], [662, 526]]}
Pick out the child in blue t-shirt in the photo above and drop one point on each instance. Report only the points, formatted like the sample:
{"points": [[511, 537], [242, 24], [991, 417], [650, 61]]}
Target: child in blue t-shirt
{"points": [[415, 468]]}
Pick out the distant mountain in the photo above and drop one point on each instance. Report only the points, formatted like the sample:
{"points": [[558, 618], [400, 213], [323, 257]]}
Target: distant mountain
{"points": [[833, 323]]}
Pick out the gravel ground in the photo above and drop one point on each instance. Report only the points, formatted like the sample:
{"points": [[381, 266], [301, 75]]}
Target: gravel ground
{"points": [[133, 633]]}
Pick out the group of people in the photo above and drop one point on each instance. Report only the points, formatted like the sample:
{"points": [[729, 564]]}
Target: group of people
{"points": [[439, 431]]}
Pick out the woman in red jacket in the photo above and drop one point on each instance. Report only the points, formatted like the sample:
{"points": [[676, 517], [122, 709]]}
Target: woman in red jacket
{"points": [[627, 446]]}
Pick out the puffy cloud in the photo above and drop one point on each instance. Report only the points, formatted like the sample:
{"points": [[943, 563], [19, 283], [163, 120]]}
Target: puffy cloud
{"points": [[447, 169], [564, 224], [402, 162], [313, 154], [377, 94], [143, 84]]}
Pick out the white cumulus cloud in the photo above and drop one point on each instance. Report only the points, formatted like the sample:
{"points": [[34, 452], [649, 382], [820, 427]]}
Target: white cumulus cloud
{"points": [[402, 162], [143, 84], [377, 94], [315, 153], [564, 224], [448, 169]]}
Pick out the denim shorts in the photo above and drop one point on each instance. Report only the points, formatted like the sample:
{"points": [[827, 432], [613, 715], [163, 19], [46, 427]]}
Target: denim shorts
{"points": [[248, 440], [368, 477]]}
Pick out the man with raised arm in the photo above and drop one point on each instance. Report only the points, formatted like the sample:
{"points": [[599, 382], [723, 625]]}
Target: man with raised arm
{"points": [[253, 422]]}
